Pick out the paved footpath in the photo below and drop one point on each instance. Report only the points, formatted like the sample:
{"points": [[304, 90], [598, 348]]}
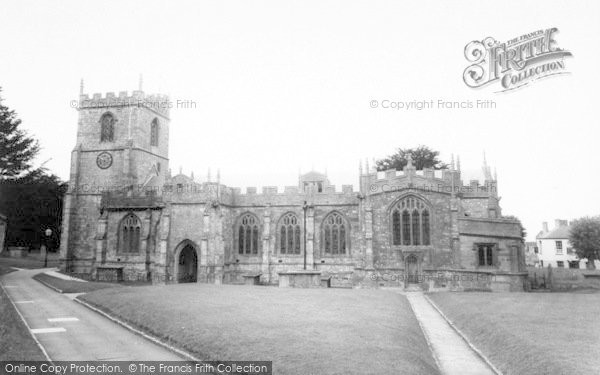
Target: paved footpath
{"points": [[69, 331], [453, 354]]}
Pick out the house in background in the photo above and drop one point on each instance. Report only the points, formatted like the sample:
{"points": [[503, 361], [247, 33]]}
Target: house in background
{"points": [[555, 249], [531, 254]]}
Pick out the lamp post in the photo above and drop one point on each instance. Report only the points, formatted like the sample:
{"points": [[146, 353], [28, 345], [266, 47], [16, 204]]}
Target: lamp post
{"points": [[304, 208], [48, 233]]}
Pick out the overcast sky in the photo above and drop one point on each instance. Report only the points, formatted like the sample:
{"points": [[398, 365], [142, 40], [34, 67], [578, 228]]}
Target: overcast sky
{"points": [[281, 86]]}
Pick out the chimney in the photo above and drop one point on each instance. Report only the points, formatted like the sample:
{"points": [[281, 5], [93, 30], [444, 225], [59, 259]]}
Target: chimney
{"points": [[545, 226], [560, 223]]}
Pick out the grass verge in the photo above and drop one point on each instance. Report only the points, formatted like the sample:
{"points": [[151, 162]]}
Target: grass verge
{"points": [[72, 286], [303, 331], [16, 343], [529, 333]]}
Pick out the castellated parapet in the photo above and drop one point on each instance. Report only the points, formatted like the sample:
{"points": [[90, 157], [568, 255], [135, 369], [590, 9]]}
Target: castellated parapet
{"points": [[158, 103], [447, 181]]}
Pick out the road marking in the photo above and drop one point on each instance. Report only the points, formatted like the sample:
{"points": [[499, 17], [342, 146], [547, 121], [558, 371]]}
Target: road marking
{"points": [[48, 330], [69, 319], [24, 301], [10, 286]]}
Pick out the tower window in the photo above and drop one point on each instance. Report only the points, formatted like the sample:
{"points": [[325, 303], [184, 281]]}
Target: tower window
{"points": [[107, 127], [130, 234], [248, 235], [411, 223], [154, 127]]}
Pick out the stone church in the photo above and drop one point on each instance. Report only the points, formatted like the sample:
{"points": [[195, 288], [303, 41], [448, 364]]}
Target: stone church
{"points": [[126, 216]]}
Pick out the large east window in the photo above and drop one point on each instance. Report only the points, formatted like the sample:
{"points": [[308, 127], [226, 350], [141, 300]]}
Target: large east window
{"points": [[411, 222]]}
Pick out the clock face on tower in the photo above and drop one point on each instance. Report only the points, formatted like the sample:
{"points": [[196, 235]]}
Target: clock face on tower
{"points": [[104, 160]]}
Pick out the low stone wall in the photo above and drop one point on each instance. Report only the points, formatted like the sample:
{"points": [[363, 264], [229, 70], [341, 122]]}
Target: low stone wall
{"points": [[18, 251], [300, 279], [442, 280], [563, 279]]}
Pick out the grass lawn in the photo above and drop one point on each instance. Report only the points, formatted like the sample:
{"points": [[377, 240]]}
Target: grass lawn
{"points": [[72, 286], [530, 333], [16, 344], [303, 331]]}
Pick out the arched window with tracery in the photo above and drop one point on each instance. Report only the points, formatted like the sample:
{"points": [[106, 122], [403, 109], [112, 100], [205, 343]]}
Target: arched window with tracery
{"points": [[289, 234], [130, 231], [411, 222], [248, 240], [154, 127], [107, 127], [334, 233]]}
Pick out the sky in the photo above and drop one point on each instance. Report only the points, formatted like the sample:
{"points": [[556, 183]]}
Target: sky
{"points": [[286, 86]]}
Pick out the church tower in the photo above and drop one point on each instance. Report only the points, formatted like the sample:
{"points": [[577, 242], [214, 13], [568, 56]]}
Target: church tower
{"points": [[122, 145]]}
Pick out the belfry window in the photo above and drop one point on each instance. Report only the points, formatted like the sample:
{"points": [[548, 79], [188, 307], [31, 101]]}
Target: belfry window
{"points": [[411, 223], [154, 133], [334, 234], [289, 234], [130, 234], [107, 127], [248, 235]]}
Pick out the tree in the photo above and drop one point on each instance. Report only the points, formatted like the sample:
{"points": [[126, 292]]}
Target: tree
{"points": [[31, 198], [422, 157], [32, 204], [17, 149], [584, 236]]}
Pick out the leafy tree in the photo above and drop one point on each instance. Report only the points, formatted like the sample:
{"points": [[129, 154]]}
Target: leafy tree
{"points": [[17, 149], [31, 198], [422, 157], [32, 204], [584, 236]]}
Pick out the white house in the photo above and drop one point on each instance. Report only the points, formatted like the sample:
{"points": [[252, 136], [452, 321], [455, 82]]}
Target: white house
{"points": [[555, 249]]}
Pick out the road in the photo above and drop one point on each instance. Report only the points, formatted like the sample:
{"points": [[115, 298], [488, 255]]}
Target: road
{"points": [[69, 331]]}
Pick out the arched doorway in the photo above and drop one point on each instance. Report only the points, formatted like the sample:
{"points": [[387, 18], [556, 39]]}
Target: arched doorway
{"points": [[412, 269], [187, 270]]}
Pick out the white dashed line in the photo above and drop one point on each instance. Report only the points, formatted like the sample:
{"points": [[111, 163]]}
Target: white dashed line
{"points": [[24, 301], [69, 319], [10, 286], [48, 330]]}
